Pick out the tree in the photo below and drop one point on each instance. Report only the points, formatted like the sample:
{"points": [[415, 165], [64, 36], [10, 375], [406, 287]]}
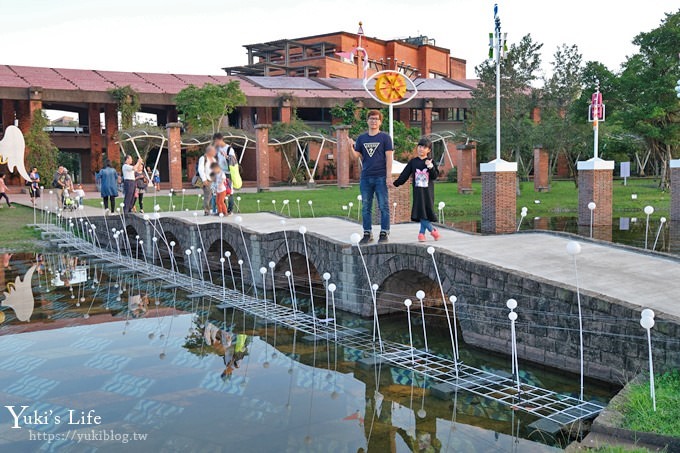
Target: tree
{"points": [[128, 104], [650, 108], [205, 108], [518, 71], [563, 127], [42, 152]]}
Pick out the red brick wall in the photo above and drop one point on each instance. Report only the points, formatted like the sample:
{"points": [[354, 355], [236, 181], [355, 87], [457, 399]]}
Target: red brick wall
{"points": [[402, 196], [465, 166], [112, 148], [174, 155], [342, 155], [262, 156], [96, 140], [595, 185], [499, 202]]}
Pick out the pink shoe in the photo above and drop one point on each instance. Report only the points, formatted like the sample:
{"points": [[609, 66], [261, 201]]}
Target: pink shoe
{"points": [[435, 234], [421, 237]]}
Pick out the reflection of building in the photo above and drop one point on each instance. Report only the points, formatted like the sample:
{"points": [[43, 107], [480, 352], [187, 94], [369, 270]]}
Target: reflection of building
{"points": [[68, 276]]}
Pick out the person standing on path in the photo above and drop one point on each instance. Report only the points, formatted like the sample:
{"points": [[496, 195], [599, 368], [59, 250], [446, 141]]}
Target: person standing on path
{"points": [[34, 184], [375, 150], [141, 182], [129, 185], [3, 190], [226, 156], [108, 186], [424, 172], [204, 164]]}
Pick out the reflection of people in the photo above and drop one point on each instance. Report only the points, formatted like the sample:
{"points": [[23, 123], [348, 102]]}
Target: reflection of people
{"points": [[375, 150], [138, 305], [424, 172]]}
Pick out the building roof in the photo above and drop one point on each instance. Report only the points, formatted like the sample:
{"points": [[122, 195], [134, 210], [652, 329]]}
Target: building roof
{"points": [[83, 85]]}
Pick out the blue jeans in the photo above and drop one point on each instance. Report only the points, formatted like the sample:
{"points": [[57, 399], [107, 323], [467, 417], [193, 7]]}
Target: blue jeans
{"points": [[425, 225], [370, 185]]}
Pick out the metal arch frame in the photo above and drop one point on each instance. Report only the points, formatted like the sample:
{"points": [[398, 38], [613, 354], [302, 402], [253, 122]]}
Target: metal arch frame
{"points": [[305, 136]]}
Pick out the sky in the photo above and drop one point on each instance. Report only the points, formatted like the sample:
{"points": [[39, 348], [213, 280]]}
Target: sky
{"points": [[203, 36]]}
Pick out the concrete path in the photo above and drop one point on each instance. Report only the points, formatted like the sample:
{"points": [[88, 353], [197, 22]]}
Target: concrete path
{"points": [[637, 277]]}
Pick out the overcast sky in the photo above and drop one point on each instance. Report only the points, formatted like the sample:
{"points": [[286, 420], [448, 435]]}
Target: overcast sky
{"points": [[202, 36]]}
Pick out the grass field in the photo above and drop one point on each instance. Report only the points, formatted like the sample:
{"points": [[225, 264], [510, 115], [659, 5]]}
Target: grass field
{"points": [[15, 234], [637, 409], [329, 200]]}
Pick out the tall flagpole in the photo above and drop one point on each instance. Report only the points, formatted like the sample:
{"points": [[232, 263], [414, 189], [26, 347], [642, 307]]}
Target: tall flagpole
{"points": [[497, 44]]}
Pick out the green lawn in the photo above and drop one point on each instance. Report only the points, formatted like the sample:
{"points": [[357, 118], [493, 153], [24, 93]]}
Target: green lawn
{"points": [[612, 449], [15, 234], [327, 201], [637, 409]]}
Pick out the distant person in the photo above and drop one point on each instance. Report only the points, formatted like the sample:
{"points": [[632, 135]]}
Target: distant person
{"points": [[79, 194], [108, 187], [155, 178], [58, 187], [3, 190], [222, 188], [204, 164], [34, 184], [129, 184], [375, 150], [64, 185], [142, 182], [226, 157], [424, 172]]}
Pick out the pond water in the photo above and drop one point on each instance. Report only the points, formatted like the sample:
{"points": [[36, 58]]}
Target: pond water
{"points": [[106, 361], [662, 237]]}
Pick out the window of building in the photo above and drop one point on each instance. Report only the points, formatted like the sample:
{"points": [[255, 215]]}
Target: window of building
{"points": [[435, 115], [314, 114], [434, 75], [457, 114], [416, 115]]}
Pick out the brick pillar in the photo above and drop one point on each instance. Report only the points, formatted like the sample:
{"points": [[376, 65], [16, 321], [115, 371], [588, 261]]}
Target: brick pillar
{"points": [[262, 156], [286, 112], [171, 114], [343, 154], [112, 148], [7, 113], [358, 106], [175, 155], [595, 181], [499, 196], [465, 166], [24, 116], [675, 189], [427, 118], [264, 115], [96, 138], [541, 169], [405, 116], [34, 101]]}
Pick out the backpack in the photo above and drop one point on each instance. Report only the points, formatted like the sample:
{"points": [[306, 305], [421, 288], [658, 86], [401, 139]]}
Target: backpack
{"points": [[55, 183]]}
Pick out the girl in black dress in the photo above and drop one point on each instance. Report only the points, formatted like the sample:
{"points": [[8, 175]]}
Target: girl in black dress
{"points": [[424, 172]]}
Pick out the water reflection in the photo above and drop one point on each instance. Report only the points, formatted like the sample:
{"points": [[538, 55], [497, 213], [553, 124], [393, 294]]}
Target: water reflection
{"points": [[193, 377]]}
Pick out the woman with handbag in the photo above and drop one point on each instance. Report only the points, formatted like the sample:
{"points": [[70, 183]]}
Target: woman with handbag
{"points": [[141, 182]]}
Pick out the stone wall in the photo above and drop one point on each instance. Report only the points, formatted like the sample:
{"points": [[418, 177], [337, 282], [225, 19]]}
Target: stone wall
{"points": [[547, 329]]}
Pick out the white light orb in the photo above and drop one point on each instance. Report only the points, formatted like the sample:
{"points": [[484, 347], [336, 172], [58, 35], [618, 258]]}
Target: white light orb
{"points": [[375, 286], [263, 270], [350, 204], [430, 250], [662, 220], [221, 214], [222, 260], [137, 237], [453, 299], [154, 239], [172, 243], [238, 219], [408, 302], [156, 215], [592, 205], [272, 265], [227, 254], [573, 248], [344, 207], [238, 198], [649, 210], [240, 262], [309, 202], [421, 413], [147, 217], [332, 287], [287, 273], [354, 238], [647, 323], [273, 201], [141, 242], [511, 304], [195, 214], [302, 229], [359, 197], [184, 190], [394, 204], [647, 313], [122, 205], [420, 294], [283, 221], [285, 201], [156, 207], [512, 316], [188, 252], [326, 276], [198, 250]]}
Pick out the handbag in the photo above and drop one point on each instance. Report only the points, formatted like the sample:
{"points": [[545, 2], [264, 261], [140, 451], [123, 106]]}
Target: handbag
{"points": [[236, 181], [197, 182]]}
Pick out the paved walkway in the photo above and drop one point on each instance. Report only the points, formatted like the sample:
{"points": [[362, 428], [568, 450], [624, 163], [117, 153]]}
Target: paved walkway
{"points": [[639, 278]]}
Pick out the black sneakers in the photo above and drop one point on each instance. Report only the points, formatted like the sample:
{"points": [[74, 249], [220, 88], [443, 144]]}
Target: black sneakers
{"points": [[367, 239], [384, 237]]}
